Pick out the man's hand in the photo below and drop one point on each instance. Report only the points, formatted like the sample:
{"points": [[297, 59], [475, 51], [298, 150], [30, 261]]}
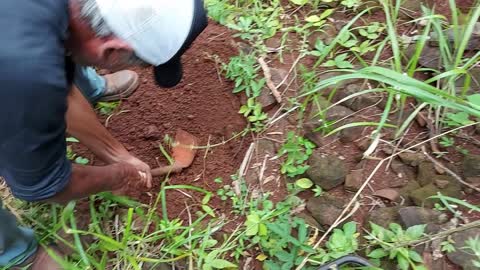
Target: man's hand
{"points": [[142, 168]]}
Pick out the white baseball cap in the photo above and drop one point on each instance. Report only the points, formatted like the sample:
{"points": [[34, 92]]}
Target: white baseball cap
{"points": [[159, 31]]}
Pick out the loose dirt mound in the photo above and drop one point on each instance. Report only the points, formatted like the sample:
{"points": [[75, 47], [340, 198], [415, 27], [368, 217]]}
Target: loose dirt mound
{"points": [[203, 104]]}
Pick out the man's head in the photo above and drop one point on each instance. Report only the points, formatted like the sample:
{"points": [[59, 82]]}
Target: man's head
{"points": [[115, 34]]}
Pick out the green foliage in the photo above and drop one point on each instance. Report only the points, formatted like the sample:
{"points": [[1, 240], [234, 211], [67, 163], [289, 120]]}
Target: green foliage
{"points": [[473, 244], [447, 245], [254, 114], [71, 155], [446, 141], [342, 242], [392, 243], [243, 71], [107, 108], [339, 61], [298, 150]]}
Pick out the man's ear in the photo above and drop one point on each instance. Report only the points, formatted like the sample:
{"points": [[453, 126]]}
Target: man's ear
{"points": [[112, 48]]}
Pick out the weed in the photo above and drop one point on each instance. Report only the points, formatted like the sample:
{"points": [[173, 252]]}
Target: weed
{"points": [[298, 150], [342, 242], [107, 108], [473, 244], [71, 155], [447, 245], [390, 243]]}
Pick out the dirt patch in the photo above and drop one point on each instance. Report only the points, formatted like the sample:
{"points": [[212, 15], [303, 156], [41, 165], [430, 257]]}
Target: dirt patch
{"points": [[203, 104]]}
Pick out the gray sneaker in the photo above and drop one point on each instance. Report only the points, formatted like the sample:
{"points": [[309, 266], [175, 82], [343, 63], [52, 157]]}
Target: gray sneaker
{"points": [[120, 85]]}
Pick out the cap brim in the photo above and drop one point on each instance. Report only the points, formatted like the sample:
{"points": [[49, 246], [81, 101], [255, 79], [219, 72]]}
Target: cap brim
{"points": [[169, 74]]}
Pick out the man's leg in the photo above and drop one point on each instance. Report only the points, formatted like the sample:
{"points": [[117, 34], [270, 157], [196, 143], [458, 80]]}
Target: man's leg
{"points": [[111, 87], [17, 244]]}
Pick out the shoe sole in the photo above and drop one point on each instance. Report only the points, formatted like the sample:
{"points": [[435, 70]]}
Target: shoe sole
{"points": [[124, 94]]}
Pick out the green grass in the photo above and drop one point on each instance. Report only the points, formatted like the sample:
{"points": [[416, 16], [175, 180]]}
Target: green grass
{"points": [[129, 235]]}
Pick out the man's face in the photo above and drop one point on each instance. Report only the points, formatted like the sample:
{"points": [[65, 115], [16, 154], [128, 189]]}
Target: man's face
{"points": [[88, 49]]}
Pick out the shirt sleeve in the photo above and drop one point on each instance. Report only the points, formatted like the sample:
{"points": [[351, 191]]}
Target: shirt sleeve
{"points": [[32, 123]]}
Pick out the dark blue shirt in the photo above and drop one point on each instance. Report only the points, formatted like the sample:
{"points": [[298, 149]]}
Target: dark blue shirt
{"points": [[33, 94]]}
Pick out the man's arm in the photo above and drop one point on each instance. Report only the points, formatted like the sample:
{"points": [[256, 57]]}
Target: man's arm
{"points": [[83, 124]]}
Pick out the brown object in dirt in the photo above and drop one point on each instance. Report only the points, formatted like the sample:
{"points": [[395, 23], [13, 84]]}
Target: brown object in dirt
{"points": [[183, 153]]}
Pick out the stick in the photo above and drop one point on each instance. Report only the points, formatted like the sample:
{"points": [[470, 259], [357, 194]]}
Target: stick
{"points": [[268, 78]]}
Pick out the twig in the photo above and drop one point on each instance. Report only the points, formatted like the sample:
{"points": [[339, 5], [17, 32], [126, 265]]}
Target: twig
{"points": [[447, 170], [268, 78], [243, 168]]}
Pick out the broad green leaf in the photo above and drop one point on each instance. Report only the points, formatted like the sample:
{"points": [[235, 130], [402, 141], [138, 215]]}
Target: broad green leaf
{"points": [[304, 183], [414, 256], [299, 2], [474, 99], [350, 228], [378, 253], [416, 231], [402, 262], [312, 19], [222, 264]]}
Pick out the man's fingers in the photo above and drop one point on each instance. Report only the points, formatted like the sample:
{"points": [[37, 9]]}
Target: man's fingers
{"points": [[146, 178]]}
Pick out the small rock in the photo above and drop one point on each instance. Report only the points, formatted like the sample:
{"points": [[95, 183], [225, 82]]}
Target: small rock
{"points": [[430, 57], [352, 133], [471, 165], [363, 144], [384, 216], [402, 170], [412, 159], [316, 136], [327, 91], [387, 193], [419, 196], [354, 180], [461, 256], [359, 102], [266, 99], [338, 112], [265, 146], [309, 220], [426, 173], [473, 42], [273, 42], [327, 171], [413, 215], [325, 209], [441, 183], [278, 75], [190, 116], [151, 132]]}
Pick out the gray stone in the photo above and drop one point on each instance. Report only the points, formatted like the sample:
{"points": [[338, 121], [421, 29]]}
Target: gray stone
{"points": [[384, 216], [326, 171], [310, 220], [359, 102], [266, 99], [403, 171], [327, 91], [337, 113], [326, 208], [413, 215], [461, 256], [389, 194], [429, 58], [316, 137], [419, 196], [473, 42], [278, 76], [471, 166], [354, 180], [412, 159], [350, 134]]}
